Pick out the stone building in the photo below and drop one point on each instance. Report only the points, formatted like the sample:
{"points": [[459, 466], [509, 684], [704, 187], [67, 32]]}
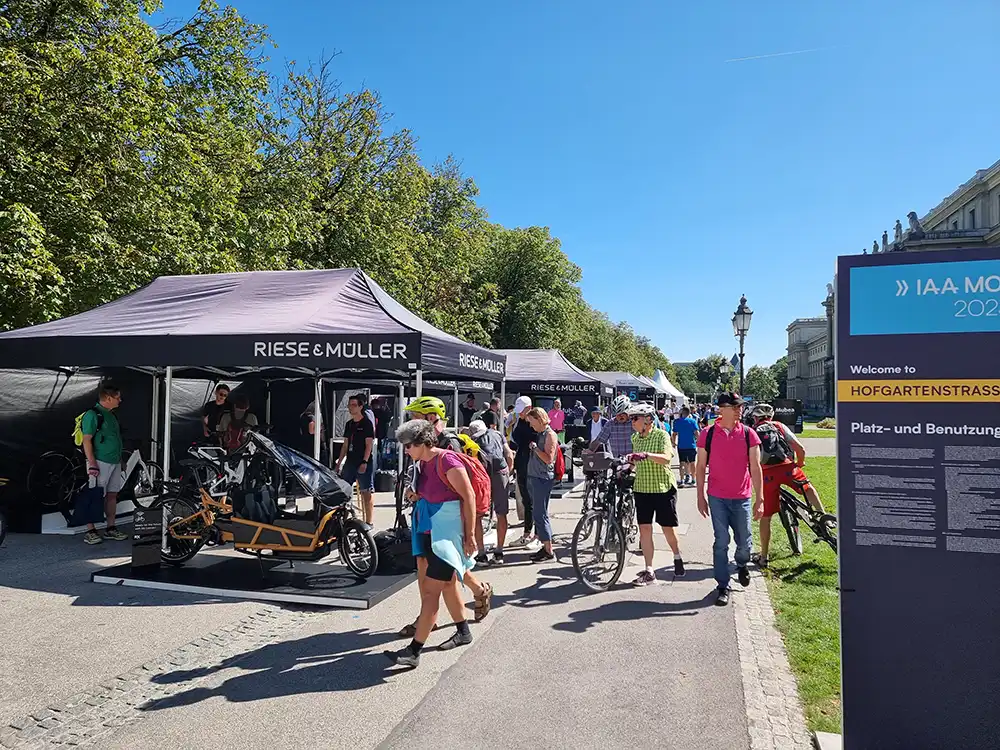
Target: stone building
{"points": [[810, 360]]}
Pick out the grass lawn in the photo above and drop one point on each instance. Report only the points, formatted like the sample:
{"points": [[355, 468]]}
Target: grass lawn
{"points": [[810, 430], [806, 605]]}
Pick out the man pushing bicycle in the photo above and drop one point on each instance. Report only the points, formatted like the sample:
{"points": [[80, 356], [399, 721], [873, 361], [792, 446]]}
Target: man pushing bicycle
{"points": [[782, 457]]}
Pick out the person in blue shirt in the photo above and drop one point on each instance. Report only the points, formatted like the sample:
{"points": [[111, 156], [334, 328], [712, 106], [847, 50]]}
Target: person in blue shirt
{"points": [[685, 440]]}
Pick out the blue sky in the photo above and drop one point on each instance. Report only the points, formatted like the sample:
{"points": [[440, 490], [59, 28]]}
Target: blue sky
{"points": [[675, 179]]}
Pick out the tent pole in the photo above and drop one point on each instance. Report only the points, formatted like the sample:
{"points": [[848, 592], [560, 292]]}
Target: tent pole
{"points": [[168, 381], [154, 422], [455, 399], [399, 423], [267, 402], [420, 383], [503, 398], [318, 416]]}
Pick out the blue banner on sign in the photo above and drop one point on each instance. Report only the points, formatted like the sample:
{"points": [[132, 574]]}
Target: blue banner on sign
{"points": [[956, 297]]}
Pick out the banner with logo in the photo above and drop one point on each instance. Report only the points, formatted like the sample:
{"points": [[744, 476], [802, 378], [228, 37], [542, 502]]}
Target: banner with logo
{"points": [[918, 473]]}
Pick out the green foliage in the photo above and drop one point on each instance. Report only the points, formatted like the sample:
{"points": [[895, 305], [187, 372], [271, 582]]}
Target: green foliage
{"points": [[131, 152], [760, 383], [779, 370]]}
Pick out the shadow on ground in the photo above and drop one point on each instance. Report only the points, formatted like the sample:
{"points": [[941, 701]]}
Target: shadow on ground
{"points": [[321, 663]]}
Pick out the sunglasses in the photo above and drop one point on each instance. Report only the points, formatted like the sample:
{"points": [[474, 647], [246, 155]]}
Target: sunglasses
{"points": [[637, 418]]}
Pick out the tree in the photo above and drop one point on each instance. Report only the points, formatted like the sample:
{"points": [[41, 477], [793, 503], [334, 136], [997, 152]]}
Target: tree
{"points": [[779, 370], [761, 384]]}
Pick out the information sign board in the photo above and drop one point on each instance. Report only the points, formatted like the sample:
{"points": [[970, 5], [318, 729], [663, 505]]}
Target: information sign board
{"points": [[918, 474]]}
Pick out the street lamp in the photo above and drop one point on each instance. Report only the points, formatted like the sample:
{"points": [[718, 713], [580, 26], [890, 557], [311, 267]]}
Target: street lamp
{"points": [[741, 326]]}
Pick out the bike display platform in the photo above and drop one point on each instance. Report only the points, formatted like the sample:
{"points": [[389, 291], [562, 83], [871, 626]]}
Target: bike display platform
{"points": [[237, 576], [564, 488]]}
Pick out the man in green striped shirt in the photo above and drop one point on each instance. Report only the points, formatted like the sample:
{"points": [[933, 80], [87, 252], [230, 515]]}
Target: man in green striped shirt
{"points": [[655, 489]]}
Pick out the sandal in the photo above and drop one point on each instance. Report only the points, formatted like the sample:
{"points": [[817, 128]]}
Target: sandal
{"points": [[408, 631], [483, 602]]}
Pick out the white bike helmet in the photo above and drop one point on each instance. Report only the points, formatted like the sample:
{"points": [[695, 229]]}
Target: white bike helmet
{"points": [[620, 405], [642, 410], [763, 411]]}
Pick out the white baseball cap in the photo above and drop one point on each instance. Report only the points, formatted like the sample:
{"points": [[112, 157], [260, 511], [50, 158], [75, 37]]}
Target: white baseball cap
{"points": [[522, 403]]}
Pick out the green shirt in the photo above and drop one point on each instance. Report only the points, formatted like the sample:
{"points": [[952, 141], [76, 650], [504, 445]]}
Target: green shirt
{"points": [[107, 440], [651, 476]]}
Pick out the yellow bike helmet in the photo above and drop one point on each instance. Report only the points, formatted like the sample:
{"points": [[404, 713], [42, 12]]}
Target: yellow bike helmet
{"points": [[427, 405]]}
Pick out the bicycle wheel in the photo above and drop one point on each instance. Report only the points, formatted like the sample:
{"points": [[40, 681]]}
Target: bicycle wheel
{"points": [[3, 527], [179, 551], [53, 479], [826, 530], [148, 485], [790, 522], [598, 551], [489, 520], [589, 497], [357, 549]]}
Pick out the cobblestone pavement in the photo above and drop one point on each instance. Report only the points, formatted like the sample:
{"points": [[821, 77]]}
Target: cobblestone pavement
{"points": [[85, 718], [774, 712]]}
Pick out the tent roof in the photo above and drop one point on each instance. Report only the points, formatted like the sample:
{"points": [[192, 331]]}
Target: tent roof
{"points": [[625, 379], [323, 320], [543, 365]]}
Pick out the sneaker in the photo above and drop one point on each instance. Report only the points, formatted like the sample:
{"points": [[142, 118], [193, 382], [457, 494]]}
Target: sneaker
{"points": [[533, 545], [542, 555], [459, 639], [92, 537], [115, 534], [644, 578], [723, 598], [759, 560], [678, 567], [497, 557], [743, 575], [404, 657], [482, 559], [523, 541]]}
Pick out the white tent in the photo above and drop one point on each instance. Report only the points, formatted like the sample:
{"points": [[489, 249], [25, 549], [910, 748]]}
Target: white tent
{"points": [[661, 380]]}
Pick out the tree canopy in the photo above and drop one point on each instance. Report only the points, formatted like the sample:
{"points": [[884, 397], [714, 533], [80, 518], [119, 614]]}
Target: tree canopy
{"points": [[131, 151]]}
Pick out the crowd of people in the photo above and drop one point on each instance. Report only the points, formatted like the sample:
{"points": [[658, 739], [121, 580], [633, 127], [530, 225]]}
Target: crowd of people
{"points": [[727, 461]]}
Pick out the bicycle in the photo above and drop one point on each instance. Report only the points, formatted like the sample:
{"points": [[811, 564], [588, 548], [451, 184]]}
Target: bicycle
{"points": [[55, 477], [607, 521], [793, 509], [212, 469], [595, 478]]}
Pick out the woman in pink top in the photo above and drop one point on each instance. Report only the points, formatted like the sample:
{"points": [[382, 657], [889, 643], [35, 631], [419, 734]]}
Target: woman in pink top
{"points": [[557, 420]]}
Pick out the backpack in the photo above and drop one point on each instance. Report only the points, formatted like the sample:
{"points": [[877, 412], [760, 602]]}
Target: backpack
{"points": [[78, 425], [477, 476], [234, 435], [774, 448], [708, 441], [491, 453], [559, 465]]}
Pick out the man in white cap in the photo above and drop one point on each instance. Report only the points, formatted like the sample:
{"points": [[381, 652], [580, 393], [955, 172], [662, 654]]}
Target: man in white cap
{"points": [[523, 438]]}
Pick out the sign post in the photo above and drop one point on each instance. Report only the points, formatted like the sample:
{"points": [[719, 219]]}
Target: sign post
{"points": [[918, 474]]}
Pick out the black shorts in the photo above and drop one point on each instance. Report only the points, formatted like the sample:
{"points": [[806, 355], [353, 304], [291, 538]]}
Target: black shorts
{"points": [[437, 568], [663, 505], [687, 455]]}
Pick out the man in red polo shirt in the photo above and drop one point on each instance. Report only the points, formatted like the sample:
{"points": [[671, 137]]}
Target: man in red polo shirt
{"points": [[732, 450]]}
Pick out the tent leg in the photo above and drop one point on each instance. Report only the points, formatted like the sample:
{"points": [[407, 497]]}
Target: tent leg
{"points": [[154, 421], [455, 404], [168, 382], [503, 399], [399, 416], [267, 403], [420, 383], [318, 432]]}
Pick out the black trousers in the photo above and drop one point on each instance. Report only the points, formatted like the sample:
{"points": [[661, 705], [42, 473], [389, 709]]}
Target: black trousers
{"points": [[522, 486]]}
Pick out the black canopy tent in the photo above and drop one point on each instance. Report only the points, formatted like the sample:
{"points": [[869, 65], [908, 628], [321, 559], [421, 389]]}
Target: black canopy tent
{"points": [[547, 372], [318, 324]]}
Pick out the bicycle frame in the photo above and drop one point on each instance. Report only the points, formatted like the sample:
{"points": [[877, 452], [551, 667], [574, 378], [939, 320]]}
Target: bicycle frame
{"points": [[818, 523]]}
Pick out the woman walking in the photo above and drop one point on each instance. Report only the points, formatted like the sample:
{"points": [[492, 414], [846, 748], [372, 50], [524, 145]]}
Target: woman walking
{"points": [[541, 479], [443, 539]]}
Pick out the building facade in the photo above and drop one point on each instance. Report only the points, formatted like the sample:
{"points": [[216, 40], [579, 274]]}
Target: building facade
{"points": [[810, 361]]}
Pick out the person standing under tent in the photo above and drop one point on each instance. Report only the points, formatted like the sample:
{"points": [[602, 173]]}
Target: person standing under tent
{"points": [[355, 462], [102, 445], [211, 413], [557, 420], [524, 436]]}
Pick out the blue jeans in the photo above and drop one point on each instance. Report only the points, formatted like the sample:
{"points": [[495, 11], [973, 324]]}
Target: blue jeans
{"points": [[735, 515], [540, 491]]}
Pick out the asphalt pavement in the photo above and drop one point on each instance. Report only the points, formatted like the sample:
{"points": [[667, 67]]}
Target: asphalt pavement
{"points": [[552, 665]]}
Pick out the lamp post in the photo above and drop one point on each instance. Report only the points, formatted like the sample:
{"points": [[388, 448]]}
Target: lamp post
{"points": [[741, 326]]}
